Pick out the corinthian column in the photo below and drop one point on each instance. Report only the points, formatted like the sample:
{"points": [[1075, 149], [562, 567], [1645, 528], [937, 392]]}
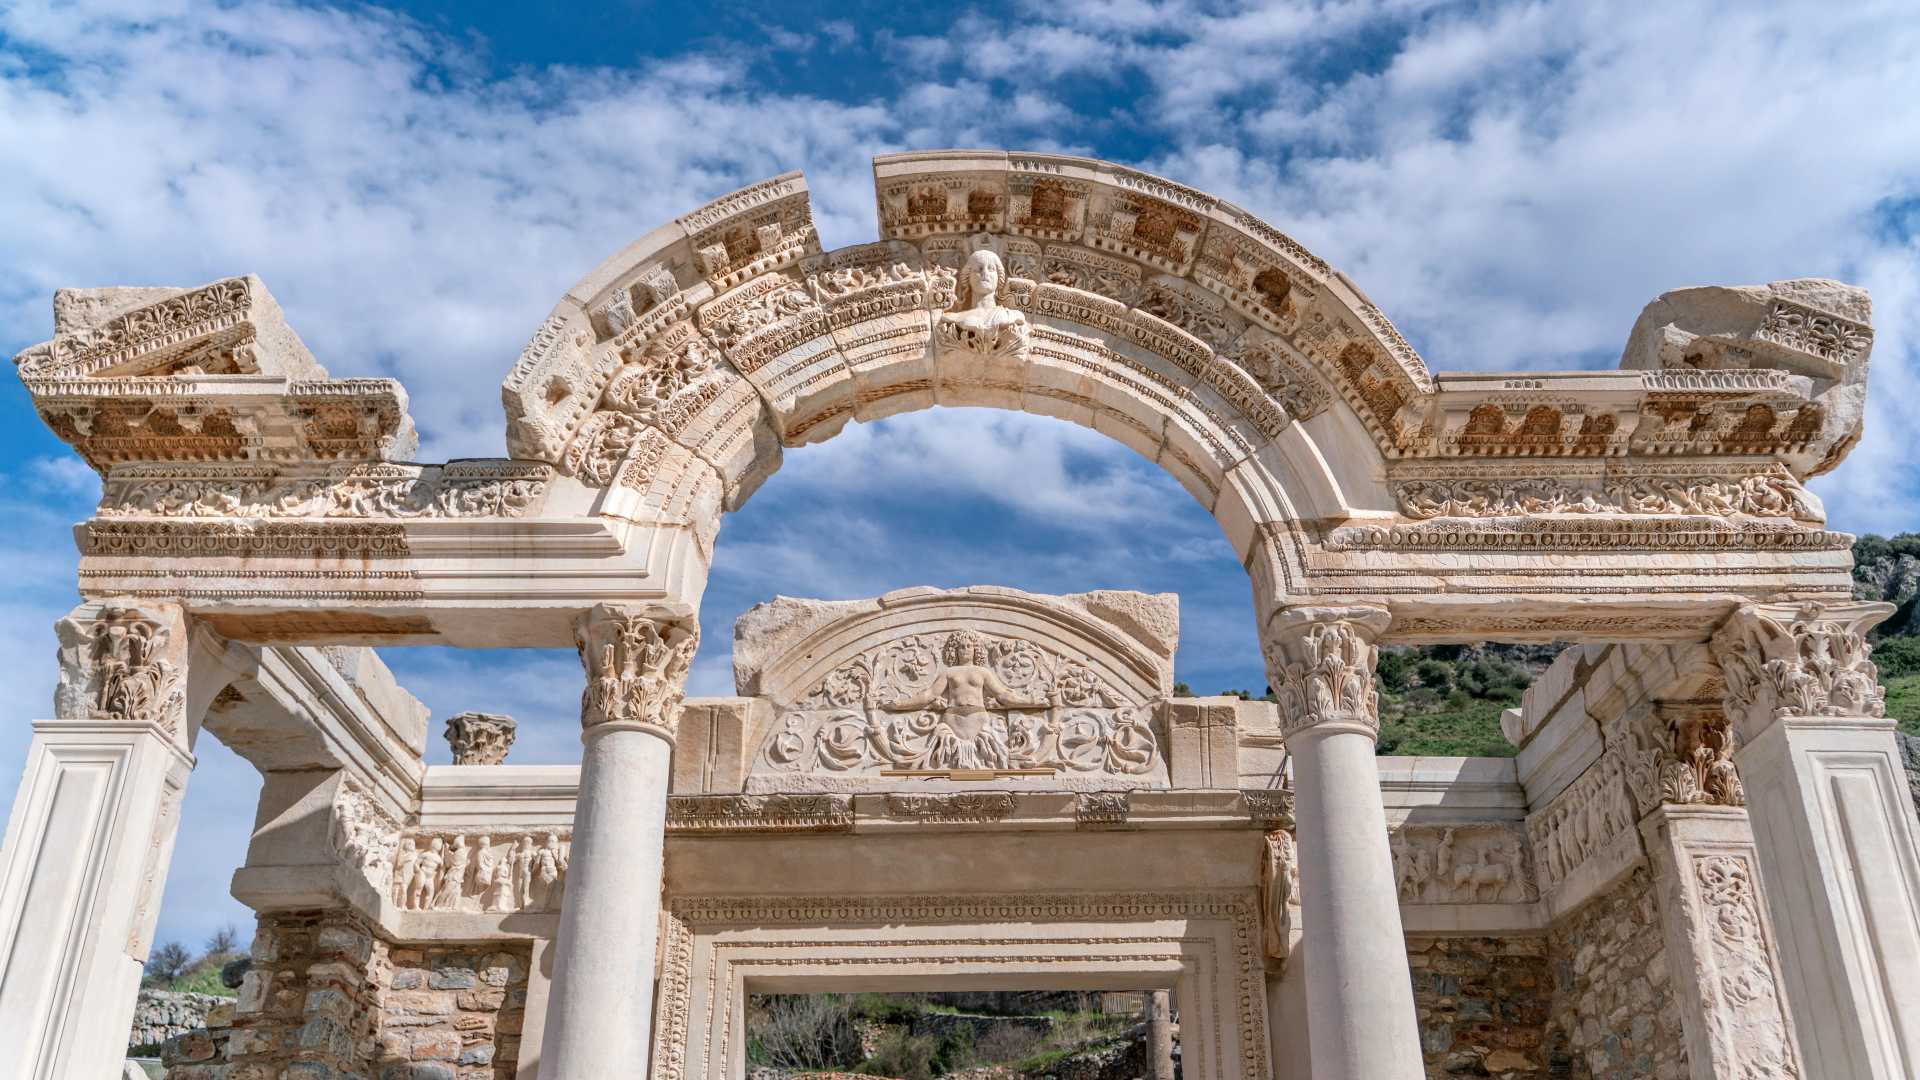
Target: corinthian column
{"points": [[600, 1004], [1360, 1016], [1833, 825], [88, 842]]}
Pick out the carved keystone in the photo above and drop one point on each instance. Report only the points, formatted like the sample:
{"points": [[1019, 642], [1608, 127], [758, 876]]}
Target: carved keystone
{"points": [[480, 738]]}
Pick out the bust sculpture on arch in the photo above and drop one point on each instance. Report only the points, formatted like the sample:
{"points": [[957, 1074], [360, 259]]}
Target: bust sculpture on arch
{"points": [[978, 323], [1065, 688]]}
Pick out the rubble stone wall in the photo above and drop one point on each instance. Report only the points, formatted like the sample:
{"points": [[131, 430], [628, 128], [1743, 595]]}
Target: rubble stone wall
{"points": [[1613, 1008], [159, 1015], [329, 1000], [1483, 1005]]}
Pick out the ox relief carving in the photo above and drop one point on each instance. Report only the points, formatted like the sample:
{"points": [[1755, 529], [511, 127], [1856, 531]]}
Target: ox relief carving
{"points": [[1461, 864], [1677, 752], [125, 664], [476, 872], [636, 668], [1783, 660], [977, 323], [1583, 822], [964, 701]]}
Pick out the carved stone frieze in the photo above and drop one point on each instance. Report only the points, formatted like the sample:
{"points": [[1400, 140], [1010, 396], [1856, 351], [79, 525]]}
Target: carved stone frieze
{"points": [[1101, 809], [365, 836], [964, 700], [1462, 864], [772, 813], [499, 871], [1586, 533], [1773, 493], [964, 806], [460, 489], [479, 738], [1270, 808], [636, 668], [1581, 822], [1804, 660], [124, 662], [1320, 663]]}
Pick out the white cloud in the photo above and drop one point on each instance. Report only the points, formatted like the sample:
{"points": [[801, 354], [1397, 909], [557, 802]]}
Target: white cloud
{"points": [[1511, 181]]}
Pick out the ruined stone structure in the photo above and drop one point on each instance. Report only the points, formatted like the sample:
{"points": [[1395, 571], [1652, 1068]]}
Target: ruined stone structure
{"points": [[1703, 861]]}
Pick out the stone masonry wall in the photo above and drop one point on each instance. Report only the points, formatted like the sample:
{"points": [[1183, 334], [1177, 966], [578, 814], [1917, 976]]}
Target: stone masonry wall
{"points": [[453, 1013], [1483, 1005], [328, 1000], [1613, 1006], [159, 1015]]}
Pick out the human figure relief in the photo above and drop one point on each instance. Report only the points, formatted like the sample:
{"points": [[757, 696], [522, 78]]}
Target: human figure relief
{"points": [[453, 883], [483, 862], [977, 323], [503, 882], [426, 875], [405, 858], [523, 859], [549, 863], [965, 694]]}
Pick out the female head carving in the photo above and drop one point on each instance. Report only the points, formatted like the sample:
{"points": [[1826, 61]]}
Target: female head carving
{"points": [[980, 279]]}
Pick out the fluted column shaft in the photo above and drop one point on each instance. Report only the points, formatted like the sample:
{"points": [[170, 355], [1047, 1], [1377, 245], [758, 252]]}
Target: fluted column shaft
{"points": [[1833, 828], [1360, 1015], [600, 1003]]}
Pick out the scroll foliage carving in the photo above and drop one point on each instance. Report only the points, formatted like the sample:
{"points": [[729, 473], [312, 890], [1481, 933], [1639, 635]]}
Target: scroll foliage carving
{"points": [[1679, 753], [1770, 494], [965, 700], [1745, 1011], [371, 491], [636, 668]]}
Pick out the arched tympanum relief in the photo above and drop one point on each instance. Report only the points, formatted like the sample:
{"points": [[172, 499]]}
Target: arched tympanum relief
{"points": [[1066, 690]]}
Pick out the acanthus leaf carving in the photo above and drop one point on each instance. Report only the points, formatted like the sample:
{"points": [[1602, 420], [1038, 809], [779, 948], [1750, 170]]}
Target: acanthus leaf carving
{"points": [[1320, 663], [636, 668], [1802, 660], [1747, 1016], [479, 738], [125, 663]]}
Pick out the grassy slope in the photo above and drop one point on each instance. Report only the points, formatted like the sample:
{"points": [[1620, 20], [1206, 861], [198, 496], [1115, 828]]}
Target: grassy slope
{"points": [[1903, 702]]}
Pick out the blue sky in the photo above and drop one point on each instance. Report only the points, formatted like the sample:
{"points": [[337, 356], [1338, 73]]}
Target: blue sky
{"points": [[418, 183]]}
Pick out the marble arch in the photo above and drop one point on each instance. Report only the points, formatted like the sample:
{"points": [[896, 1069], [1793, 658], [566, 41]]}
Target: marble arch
{"points": [[262, 522]]}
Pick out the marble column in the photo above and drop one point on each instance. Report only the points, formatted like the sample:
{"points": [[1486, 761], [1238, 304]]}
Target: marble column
{"points": [[91, 833], [1159, 1034], [600, 1002], [1361, 1023], [1833, 828]]}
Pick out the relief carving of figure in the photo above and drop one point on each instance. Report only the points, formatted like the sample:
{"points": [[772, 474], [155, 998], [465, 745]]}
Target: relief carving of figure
{"points": [[523, 860], [426, 875], [977, 323], [483, 864], [964, 695], [453, 883]]}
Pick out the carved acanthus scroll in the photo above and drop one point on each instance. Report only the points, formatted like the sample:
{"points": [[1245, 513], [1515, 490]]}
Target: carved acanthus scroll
{"points": [[479, 738], [1677, 752], [636, 668]]}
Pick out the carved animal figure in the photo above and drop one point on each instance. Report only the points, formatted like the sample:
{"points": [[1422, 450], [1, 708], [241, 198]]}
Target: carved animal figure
{"points": [[1488, 874]]}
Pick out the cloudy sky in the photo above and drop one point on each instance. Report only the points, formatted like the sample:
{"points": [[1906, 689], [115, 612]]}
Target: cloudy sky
{"points": [[417, 184]]}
